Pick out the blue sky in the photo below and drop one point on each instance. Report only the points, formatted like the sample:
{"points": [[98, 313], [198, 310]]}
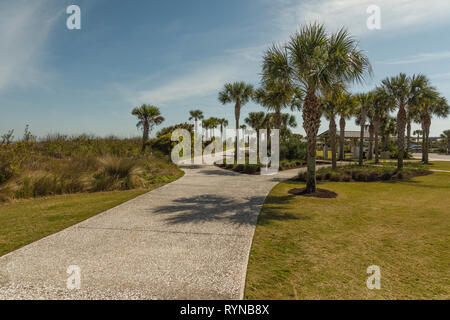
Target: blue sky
{"points": [[178, 54]]}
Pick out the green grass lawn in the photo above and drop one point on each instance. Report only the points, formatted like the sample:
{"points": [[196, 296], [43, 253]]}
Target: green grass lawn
{"points": [[24, 221], [440, 165], [310, 248]]}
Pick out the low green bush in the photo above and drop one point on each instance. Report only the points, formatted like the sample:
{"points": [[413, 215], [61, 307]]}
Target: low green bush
{"points": [[366, 173]]}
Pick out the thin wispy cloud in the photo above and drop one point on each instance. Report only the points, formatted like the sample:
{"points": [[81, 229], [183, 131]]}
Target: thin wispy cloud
{"points": [[445, 75], [202, 80], [422, 57], [24, 30], [399, 15]]}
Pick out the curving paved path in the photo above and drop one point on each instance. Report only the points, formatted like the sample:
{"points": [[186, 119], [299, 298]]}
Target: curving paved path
{"points": [[186, 240]]}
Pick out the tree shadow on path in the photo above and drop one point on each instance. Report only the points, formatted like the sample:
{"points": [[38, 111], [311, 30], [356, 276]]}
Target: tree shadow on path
{"points": [[210, 208]]}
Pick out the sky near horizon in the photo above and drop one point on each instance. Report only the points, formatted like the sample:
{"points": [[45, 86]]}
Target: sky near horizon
{"points": [[178, 55]]}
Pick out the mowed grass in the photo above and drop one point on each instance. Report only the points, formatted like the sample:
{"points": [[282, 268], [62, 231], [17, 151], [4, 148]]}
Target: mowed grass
{"points": [[25, 221], [440, 165], [309, 248]]}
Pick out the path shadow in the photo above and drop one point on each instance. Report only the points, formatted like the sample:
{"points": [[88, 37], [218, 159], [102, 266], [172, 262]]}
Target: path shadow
{"points": [[209, 208], [218, 172]]}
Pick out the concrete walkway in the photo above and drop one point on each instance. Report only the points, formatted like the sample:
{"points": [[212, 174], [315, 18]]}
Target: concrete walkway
{"points": [[433, 156], [186, 240]]}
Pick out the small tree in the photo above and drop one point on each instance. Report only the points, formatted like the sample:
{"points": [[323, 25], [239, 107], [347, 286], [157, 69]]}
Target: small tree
{"points": [[8, 137], [27, 135]]}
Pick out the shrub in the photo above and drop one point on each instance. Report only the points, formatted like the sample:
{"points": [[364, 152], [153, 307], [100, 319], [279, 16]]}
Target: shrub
{"points": [[293, 148], [366, 173]]}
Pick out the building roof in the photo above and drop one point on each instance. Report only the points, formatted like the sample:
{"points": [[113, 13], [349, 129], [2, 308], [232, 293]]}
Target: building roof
{"points": [[347, 134]]}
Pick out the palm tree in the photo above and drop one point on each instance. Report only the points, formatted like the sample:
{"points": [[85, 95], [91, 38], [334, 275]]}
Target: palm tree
{"points": [[239, 93], [318, 60], [431, 105], [223, 123], [196, 115], [207, 125], [364, 100], [382, 105], [388, 128], [446, 137], [399, 89], [329, 104], [277, 91], [370, 117], [418, 84], [345, 105], [256, 120], [287, 121], [148, 116]]}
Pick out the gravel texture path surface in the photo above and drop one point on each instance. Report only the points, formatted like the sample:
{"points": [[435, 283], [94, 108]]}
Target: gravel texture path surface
{"points": [[186, 240]]}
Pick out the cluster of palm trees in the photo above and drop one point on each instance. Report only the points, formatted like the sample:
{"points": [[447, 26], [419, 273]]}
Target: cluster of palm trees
{"points": [[296, 74], [208, 124], [312, 73], [414, 99]]}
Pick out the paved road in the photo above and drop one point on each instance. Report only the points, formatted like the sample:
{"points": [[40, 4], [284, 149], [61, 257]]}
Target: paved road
{"points": [[186, 240], [433, 157]]}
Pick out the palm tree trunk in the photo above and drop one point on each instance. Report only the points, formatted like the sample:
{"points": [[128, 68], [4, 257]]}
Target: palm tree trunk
{"points": [[311, 124], [196, 126], [408, 136], [361, 136], [401, 124], [371, 131], [448, 145], [341, 138], [145, 135], [237, 112], [332, 129], [277, 118], [376, 129], [427, 137], [423, 140]]}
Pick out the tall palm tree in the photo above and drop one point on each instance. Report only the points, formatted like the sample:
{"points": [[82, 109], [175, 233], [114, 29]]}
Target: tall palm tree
{"points": [[399, 88], [148, 116], [329, 110], [418, 85], [239, 93], [431, 105], [365, 100], [329, 104], [382, 105], [277, 91], [345, 105], [196, 115], [370, 118], [446, 137], [318, 60]]}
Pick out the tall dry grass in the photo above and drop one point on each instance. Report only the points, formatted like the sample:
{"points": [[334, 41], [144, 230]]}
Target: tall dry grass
{"points": [[60, 164]]}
